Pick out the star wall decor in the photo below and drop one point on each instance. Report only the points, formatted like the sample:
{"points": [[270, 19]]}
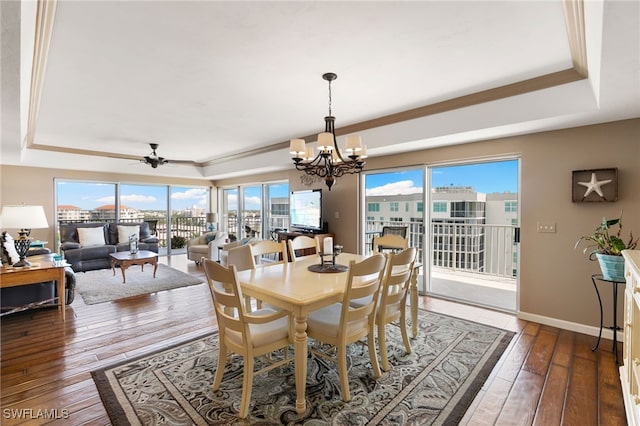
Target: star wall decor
{"points": [[595, 185]]}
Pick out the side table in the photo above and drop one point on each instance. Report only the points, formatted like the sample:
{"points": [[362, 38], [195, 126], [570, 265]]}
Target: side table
{"points": [[614, 327]]}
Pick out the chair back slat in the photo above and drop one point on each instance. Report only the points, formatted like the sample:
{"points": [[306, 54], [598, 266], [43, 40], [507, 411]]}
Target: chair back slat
{"points": [[269, 247], [300, 244], [396, 282]]}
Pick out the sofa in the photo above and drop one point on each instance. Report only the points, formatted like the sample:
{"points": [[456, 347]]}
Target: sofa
{"points": [[206, 245], [86, 246], [16, 298]]}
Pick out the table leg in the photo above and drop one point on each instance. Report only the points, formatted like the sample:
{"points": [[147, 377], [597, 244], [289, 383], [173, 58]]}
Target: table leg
{"points": [[123, 266], [301, 361], [155, 267], [414, 302], [60, 286]]}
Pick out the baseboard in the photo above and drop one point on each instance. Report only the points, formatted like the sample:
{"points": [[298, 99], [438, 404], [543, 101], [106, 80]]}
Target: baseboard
{"points": [[571, 326]]}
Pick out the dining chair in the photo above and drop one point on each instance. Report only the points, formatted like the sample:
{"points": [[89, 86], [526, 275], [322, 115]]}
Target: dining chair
{"points": [[242, 258], [269, 247], [389, 242], [249, 335], [393, 299], [341, 324], [300, 246]]}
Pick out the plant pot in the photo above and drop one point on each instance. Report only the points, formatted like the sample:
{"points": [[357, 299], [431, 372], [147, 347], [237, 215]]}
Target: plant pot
{"points": [[612, 267]]}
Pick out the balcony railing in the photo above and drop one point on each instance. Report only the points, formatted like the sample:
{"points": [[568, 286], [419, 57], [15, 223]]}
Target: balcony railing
{"points": [[487, 250]]}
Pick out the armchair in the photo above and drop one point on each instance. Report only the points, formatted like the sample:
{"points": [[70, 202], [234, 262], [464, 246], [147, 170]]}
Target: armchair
{"points": [[206, 245]]}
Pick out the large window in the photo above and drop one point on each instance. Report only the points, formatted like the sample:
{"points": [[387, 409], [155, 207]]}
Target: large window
{"points": [[260, 211], [172, 218]]}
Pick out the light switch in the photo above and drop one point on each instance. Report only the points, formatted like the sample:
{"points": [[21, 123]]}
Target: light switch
{"points": [[549, 227]]}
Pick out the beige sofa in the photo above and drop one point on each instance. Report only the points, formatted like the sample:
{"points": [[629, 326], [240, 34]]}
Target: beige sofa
{"points": [[206, 245]]}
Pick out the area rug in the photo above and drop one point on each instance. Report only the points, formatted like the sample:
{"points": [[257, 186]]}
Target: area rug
{"points": [[103, 286], [433, 385]]}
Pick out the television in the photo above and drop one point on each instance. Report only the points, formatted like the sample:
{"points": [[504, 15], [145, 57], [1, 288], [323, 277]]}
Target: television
{"points": [[305, 210]]}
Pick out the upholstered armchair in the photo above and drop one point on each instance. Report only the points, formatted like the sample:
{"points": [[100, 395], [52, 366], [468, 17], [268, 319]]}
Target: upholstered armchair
{"points": [[224, 251], [206, 245]]}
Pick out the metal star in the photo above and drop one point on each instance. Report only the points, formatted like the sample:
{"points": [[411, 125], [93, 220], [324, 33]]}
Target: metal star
{"points": [[594, 185]]}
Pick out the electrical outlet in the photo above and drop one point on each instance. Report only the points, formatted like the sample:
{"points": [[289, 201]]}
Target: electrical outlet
{"points": [[548, 227], [337, 215]]}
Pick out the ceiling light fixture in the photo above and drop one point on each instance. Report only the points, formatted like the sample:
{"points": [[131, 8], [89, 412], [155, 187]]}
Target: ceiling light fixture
{"points": [[329, 163]]}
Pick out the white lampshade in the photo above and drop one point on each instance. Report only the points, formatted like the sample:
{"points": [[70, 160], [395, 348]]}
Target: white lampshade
{"points": [[363, 152], [23, 217], [353, 143], [212, 217], [325, 141], [309, 154], [297, 146]]}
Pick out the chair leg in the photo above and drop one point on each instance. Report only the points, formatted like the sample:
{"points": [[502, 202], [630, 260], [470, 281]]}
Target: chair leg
{"points": [[247, 381], [247, 302], [403, 329], [222, 358], [371, 344], [382, 344], [342, 373]]}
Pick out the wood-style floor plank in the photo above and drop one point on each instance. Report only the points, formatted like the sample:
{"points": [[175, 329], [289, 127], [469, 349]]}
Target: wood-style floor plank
{"points": [[546, 376]]}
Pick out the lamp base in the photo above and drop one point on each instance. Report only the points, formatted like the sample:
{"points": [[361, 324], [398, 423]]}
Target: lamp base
{"points": [[22, 263]]}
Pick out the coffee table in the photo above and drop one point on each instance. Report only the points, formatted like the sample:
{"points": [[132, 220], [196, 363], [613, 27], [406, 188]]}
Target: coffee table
{"points": [[124, 259]]}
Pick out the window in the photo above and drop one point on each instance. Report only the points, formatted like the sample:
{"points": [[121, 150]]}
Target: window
{"points": [[373, 207], [394, 206], [439, 207], [260, 211], [420, 206], [511, 206], [180, 214]]}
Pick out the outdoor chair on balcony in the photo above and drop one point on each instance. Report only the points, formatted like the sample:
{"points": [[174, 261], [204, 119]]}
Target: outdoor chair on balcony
{"points": [[391, 242], [394, 230]]}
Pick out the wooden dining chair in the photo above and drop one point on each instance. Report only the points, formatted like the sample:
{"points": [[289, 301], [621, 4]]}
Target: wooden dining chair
{"points": [[341, 324], [249, 335], [242, 258], [301, 247], [391, 242], [393, 299], [278, 250]]}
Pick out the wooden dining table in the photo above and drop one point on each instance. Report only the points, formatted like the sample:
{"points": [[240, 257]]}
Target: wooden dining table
{"points": [[292, 287]]}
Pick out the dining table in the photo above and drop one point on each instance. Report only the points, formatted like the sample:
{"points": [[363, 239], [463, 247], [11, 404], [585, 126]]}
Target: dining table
{"points": [[293, 287]]}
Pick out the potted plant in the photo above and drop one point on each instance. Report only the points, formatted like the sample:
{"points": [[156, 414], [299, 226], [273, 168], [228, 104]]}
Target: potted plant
{"points": [[606, 245]]}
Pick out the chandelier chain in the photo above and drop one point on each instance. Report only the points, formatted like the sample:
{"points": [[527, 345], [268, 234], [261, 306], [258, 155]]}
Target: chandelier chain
{"points": [[329, 97]]}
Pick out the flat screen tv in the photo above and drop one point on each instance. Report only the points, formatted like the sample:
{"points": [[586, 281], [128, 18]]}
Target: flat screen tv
{"points": [[305, 210]]}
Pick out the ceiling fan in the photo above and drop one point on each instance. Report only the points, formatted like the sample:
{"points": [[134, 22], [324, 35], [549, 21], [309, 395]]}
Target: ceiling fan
{"points": [[154, 160]]}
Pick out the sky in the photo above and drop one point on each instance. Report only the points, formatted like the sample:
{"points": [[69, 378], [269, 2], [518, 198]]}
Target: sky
{"points": [[498, 176], [483, 177], [145, 197]]}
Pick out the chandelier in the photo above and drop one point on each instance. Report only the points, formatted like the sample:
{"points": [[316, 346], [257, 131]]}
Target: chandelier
{"points": [[329, 163]]}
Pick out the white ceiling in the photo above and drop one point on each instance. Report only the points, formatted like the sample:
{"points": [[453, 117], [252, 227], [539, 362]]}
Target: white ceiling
{"points": [[226, 84]]}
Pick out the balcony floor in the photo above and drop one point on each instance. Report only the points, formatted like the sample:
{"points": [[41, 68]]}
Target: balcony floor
{"points": [[477, 289]]}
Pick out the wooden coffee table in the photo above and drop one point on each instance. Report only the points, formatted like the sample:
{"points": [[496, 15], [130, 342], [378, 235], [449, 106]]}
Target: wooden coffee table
{"points": [[124, 259]]}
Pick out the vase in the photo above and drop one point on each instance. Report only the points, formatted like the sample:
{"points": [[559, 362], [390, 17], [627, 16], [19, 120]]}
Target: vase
{"points": [[612, 267]]}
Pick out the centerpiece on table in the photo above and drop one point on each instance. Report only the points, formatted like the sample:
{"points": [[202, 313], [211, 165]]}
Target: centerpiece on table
{"points": [[606, 244]]}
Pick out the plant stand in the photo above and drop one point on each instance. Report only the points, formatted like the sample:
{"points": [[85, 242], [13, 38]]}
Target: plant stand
{"points": [[614, 327]]}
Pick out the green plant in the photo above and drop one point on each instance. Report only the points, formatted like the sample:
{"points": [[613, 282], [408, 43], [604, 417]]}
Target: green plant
{"points": [[605, 240], [178, 242]]}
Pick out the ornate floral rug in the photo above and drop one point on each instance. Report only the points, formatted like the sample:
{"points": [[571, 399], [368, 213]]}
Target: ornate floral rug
{"points": [[433, 385]]}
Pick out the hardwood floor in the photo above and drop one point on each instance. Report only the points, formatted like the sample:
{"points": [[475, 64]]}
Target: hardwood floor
{"points": [[547, 376]]}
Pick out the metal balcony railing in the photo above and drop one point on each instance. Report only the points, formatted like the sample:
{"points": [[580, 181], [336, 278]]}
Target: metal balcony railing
{"points": [[487, 250]]}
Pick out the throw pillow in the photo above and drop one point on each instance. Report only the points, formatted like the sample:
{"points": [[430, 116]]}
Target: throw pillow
{"points": [[9, 253], [91, 236], [209, 238], [124, 232]]}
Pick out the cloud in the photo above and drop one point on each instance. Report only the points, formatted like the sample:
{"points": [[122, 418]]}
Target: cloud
{"points": [[110, 199], [190, 194], [133, 198], [395, 188]]}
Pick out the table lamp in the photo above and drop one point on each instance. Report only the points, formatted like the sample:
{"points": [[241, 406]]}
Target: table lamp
{"points": [[24, 218], [212, 219]]}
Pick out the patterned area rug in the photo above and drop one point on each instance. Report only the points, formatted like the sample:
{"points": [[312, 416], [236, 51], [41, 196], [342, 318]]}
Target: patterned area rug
{"points": [[103, 286], [433, 385]]}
